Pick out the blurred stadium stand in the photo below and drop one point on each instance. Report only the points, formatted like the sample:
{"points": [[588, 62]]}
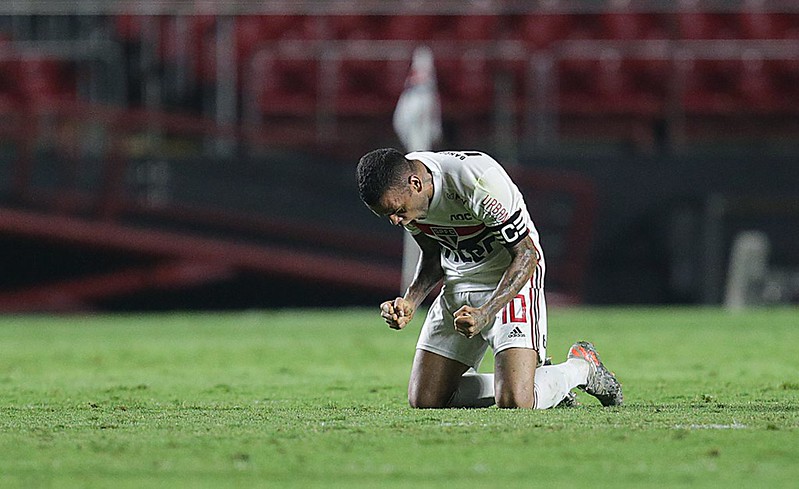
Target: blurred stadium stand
{"points": [[198, 149]]}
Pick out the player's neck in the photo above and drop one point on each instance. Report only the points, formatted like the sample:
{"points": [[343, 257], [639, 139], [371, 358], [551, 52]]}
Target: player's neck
{"points": [[428, 182]]}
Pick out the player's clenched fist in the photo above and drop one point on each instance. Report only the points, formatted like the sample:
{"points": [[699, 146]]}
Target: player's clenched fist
{"points": [[469, 321], [397, 313]]}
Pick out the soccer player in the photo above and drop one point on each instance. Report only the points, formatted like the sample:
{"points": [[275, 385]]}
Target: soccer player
{"points": [[475, 233]]}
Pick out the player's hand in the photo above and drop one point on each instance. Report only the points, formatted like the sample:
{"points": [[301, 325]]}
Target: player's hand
{"points": [[469, 321], [397, 313]]}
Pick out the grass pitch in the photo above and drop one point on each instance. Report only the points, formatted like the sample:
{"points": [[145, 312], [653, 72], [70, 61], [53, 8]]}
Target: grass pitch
{"points": [[317, 399]]}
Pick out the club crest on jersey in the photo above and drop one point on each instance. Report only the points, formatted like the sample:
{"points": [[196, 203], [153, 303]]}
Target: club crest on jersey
{"points": [[448, 235]]}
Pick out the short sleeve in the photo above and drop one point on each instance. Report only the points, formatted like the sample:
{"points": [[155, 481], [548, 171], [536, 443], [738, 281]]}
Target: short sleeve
{"points": [[499, 205]]}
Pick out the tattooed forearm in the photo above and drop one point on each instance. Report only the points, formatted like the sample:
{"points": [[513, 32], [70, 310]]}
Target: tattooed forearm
{"points": [[518, 273]]}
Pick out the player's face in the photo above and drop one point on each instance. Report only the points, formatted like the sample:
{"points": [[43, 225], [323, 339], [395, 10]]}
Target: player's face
{"points": [[403, 205]]}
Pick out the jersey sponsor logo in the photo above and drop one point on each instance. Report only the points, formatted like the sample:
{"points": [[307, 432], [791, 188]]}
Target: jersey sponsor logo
{"points": [[471, 250], [461, 217], [494, 208]]}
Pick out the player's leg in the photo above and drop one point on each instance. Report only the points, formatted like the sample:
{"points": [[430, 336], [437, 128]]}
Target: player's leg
{"points": [[554, 382], [443, 357], [475, 390], [434, 380], [519, 339], [599, 381], [514, 377]]}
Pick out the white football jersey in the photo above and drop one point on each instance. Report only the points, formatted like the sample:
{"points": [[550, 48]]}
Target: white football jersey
{"points": [[475, 213]]}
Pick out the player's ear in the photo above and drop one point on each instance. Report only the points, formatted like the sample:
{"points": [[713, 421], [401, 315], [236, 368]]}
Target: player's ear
{"points": [[415, 182]]}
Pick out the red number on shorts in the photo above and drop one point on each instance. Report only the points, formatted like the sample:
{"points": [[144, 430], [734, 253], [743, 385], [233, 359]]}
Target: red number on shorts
{"points": [[515, 311]]}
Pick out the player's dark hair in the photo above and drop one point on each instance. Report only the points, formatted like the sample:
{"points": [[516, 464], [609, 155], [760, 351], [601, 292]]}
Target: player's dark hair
{"points": [[380, 170]]}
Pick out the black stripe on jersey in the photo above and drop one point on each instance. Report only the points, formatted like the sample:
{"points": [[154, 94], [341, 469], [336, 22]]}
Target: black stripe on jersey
{"points": [[512, 231]]}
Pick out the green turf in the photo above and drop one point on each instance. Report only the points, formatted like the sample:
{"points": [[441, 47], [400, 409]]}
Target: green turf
{"points": [[317, 399]]}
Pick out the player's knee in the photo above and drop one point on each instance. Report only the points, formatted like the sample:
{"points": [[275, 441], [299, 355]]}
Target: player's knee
{"points": [[514, 399], [418, 400]]}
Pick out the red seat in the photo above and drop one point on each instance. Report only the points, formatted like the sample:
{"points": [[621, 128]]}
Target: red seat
{"points": [[42, 81], [769, 25], [128, 27], [410, 27], [355, 26], [584, 26], [641, 87], [708, 25], [635, 25], [577, 86], [540, 30], [475, 27], [783, 77], [253, 32], [466, 85], [368, 87], [290, 87], [712, 87], [613, 85]]}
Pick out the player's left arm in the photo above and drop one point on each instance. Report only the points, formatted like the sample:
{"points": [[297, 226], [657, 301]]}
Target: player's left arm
{"points": [[498, 203], [469, 320]]}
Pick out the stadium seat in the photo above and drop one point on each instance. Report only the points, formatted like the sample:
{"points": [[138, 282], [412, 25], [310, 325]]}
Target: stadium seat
{"points": [[784, 82], [368, 87], [693, 25], [639, 87], [466, 85], [757, 25], [635, 25], [711, 87], [410, 27], [577, 85], [127, 27], [290, 87], [43, 81], [540, 30], [613, 85], [474, 27], [584, 26], [345, 27], [769, 25], [755, 86]]}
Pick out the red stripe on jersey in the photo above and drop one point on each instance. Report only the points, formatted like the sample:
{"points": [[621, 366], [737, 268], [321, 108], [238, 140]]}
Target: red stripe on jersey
{"points": [[461, 230]]}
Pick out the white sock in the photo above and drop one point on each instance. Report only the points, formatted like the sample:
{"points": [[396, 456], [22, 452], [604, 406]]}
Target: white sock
{"points": [[474, 391], [552, 383]]}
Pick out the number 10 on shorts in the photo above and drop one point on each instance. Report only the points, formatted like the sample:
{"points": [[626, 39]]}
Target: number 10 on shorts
{"points": [[515, 311]]}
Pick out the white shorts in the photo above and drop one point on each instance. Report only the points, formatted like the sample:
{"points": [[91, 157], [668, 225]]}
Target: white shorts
{"points": [[520, 324]]}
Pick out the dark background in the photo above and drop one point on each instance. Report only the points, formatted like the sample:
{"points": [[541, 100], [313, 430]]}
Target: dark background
{"points": [[184, 160]]}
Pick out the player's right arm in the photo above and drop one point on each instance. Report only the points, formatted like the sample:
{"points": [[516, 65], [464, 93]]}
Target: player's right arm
{"points": [[399, 312]]}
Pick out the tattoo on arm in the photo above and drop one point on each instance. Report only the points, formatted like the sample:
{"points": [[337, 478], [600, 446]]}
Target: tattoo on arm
{"points": [[523, 262]]}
